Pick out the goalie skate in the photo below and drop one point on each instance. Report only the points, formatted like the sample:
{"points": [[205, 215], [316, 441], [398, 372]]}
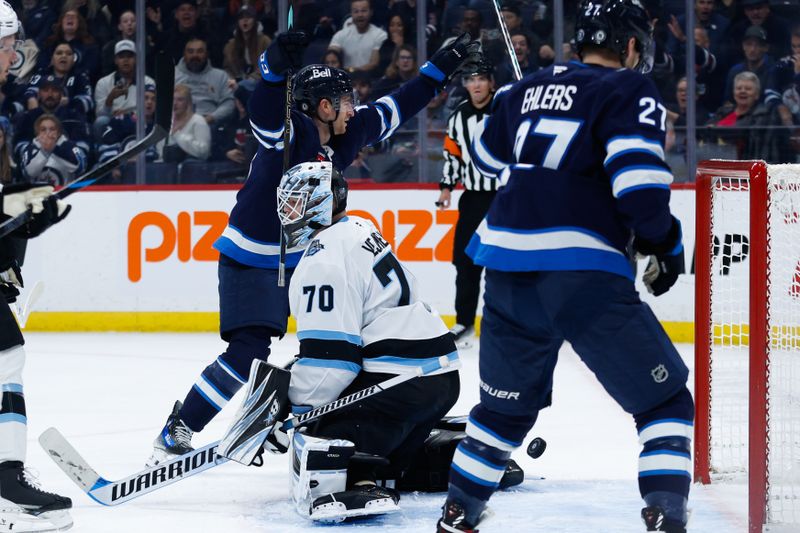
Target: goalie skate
{"points": [[350, 504]]}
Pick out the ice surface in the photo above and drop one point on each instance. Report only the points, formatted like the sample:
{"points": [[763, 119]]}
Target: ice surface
{"points": [[110, 394]]}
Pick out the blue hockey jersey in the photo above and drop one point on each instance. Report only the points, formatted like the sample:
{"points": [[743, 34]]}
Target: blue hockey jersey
{"points": [[253, 233], [580, 151]]}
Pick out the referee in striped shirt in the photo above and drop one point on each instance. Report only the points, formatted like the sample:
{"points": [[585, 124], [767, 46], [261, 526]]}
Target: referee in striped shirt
{"points": [[478, 79]]}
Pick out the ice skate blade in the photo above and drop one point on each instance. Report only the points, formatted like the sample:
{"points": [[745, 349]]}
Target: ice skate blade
{"points": [[21, 522], [335, 512]]}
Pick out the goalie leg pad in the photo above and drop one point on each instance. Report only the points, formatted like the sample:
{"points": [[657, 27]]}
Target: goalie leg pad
{"points": [[13, 419], [369, 500], [319, 467]]}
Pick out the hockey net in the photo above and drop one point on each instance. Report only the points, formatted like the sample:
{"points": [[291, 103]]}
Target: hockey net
{"points": [[747, 335]]}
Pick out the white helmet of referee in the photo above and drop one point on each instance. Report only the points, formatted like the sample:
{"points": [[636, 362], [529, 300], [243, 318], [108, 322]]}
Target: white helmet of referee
{"points": [[9, 23]]}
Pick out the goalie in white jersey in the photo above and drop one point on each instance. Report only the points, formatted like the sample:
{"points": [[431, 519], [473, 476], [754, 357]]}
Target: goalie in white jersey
{"points": [[360, 322]]}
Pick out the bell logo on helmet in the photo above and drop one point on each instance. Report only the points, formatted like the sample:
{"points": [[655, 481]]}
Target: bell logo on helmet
{"points": [[321, 73]]}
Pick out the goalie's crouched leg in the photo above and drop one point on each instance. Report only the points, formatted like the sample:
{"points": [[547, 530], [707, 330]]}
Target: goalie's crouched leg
{"points": [[319, 482]]}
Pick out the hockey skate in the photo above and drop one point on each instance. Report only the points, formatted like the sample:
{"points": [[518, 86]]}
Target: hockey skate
{"points": [[453, 519], [175, 438], [463, 335], [655, 520], [361, 502], [26, 508]]}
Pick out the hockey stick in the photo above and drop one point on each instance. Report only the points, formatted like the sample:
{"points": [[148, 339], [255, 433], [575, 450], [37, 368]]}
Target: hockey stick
{"points": [[24, 310], [287, 137], [110, 493], [507, 38], [165, 81]]}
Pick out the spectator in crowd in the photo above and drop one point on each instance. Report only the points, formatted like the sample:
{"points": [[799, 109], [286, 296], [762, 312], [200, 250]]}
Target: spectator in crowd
{"points": [[211, 92], [360, 41], [783, 82], [51, 101], [407, 10], [753, 132], [7, 167], [521, 41], [115, 94], [398, 36], [188, 27], [51, 157], [71, 28], [190, 136], [121, 131], [126, 26], [37, 19], [240, 143], [669, 65], [402, 68], [756, 60], [715, 24], [332, 58], [362, 83], [242, 51], [74, 81], [95, 17], [759, 13]]}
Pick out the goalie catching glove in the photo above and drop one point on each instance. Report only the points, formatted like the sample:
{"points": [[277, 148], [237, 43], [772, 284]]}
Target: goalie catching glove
{"points": [[667, 260], [39, 199]]}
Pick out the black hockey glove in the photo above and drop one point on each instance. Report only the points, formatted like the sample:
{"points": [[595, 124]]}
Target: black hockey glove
{"points": [[666, 260], [10, 280], [446, 62], [285, 53], [53, 211]]}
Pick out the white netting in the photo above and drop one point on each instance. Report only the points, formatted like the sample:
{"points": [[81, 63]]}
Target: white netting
{"points": [[730, 336], [729, 332], [783, 504]]}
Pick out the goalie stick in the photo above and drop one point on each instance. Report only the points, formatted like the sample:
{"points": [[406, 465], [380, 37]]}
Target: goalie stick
{"points": [[110, 493], [165, 82]]}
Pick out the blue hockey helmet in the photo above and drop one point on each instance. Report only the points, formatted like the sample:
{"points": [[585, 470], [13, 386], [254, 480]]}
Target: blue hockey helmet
{"points": [[309, 195], [611, 23]]}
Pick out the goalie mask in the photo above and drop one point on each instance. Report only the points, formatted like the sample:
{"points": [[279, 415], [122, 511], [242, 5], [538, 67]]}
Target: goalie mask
{"points": [[610, 24], [309, 195]]}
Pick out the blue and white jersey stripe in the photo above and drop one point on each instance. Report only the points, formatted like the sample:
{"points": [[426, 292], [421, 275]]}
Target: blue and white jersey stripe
{"points": [[668, 427], [665, 462], [237, 246], [485, 435], [390, 115], [485, 161], [629, 144], [556, 248], [477, 469], [271, 139], [633, 178], [212, 393]]}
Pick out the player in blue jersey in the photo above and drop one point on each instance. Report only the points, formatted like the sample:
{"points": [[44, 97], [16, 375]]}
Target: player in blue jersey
{"points": [[326, 125], [579, 147]]}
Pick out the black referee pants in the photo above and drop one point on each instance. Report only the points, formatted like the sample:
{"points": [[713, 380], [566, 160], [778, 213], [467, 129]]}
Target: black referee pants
{"points": [[472, 208]]}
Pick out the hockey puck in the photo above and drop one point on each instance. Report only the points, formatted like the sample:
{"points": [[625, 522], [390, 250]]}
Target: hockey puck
{"points": [[537, 447]]}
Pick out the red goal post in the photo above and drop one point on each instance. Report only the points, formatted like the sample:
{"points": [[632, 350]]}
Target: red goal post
{"points": [[747, 342]]}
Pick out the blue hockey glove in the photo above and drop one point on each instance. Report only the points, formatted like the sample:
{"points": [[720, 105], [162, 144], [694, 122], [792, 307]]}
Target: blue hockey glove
{"points": [[667, 260], [285, 53], [444, 63]]}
